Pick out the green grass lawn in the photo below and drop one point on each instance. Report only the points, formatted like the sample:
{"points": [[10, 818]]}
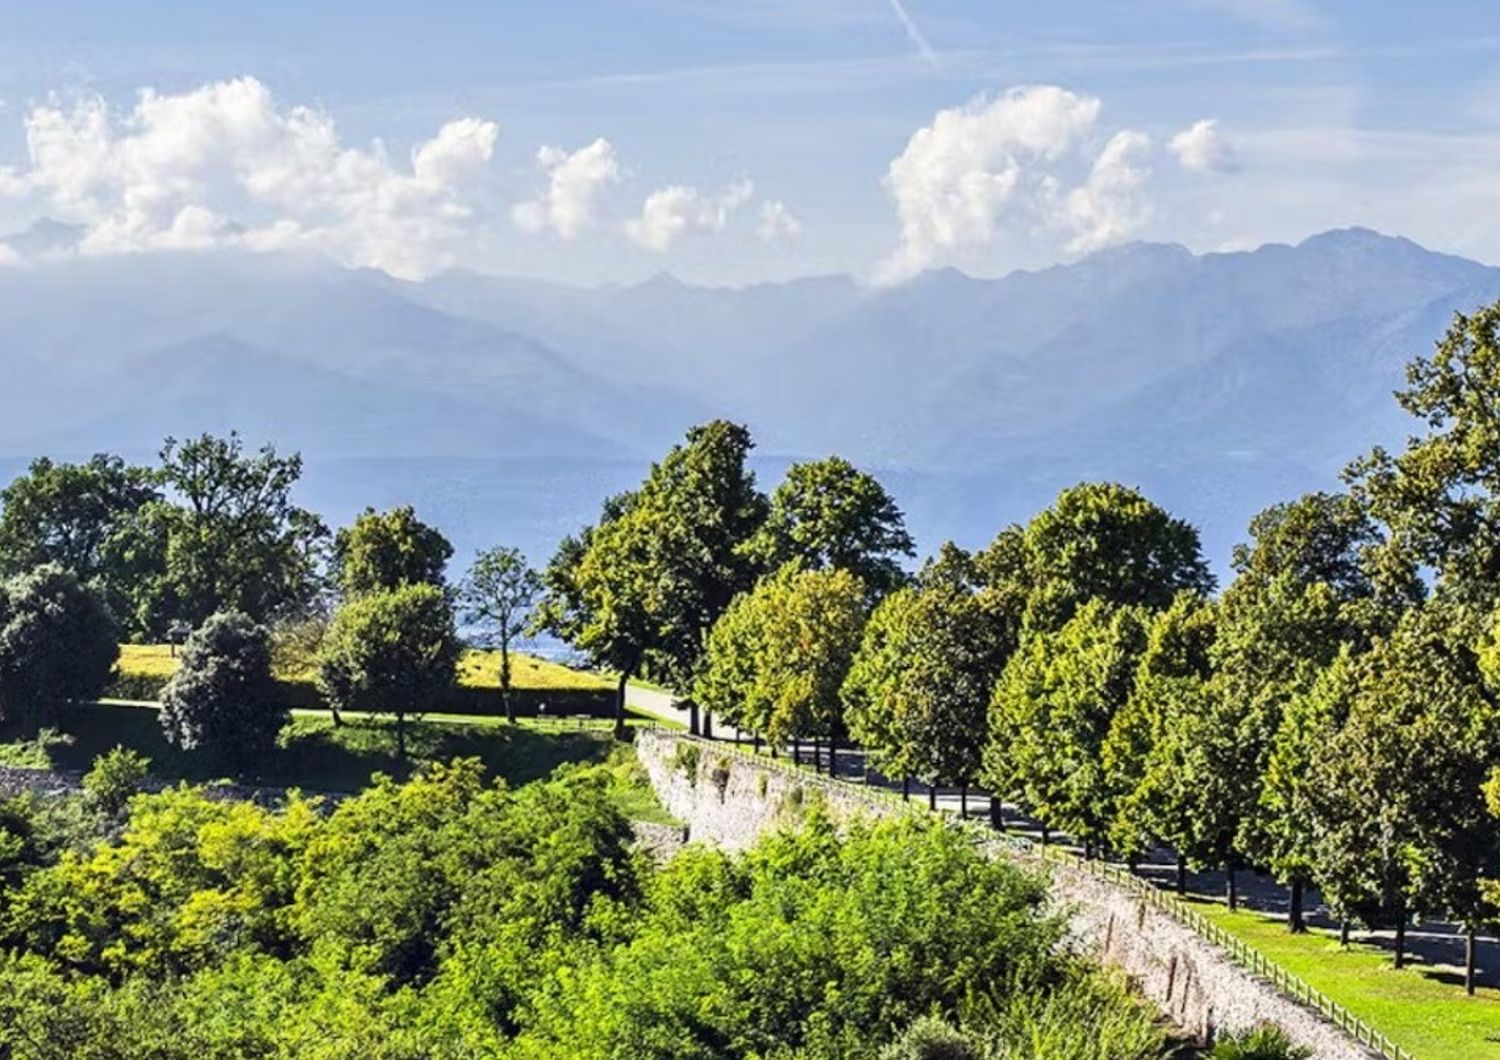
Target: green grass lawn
{"points": [[1418, 1008], [316, 755], [478, 669]]}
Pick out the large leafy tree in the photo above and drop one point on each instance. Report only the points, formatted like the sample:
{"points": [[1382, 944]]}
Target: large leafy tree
{"points": [[1396, 792], [386, 550], [78, 516], [1103, 541], [222, 702], [918, 691], [778, 656], [1052, 710], [645, 585], [394, 652], [58, 643], [235, 541], [828, 513], [1440, 496], [497, 597]]}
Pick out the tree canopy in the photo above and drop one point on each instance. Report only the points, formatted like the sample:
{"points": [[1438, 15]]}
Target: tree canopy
{"points": [[386, 550]]}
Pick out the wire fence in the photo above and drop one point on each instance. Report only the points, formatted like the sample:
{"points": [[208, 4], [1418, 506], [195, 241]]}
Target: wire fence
{"points": [[885, 800]]}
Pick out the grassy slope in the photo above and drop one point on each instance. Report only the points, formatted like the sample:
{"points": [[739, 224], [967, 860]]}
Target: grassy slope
{"points": [[317, 756], [1430, 1018]]}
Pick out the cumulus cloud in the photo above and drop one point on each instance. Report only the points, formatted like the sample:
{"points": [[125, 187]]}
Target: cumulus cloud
{"points": [[224, 164], [679, 209], [777, 223], [574, 183], [1007, 160], [1111, 204], [1202, 148]]}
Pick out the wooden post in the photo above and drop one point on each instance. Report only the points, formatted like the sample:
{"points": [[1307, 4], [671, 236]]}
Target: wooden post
{"points": [[932, 796]]}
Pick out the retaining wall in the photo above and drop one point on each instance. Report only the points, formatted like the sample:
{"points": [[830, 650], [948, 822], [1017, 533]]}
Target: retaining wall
{"points": [[731, 799]]}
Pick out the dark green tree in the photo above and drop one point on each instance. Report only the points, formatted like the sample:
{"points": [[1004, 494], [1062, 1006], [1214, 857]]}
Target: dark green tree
{"points": [[497, 597], [828, 513], [58, 644], [222, 702], [386, 550], [393, 652]]}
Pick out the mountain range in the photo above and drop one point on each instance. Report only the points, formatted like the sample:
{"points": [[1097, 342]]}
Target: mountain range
{"points": [[505, 409]]}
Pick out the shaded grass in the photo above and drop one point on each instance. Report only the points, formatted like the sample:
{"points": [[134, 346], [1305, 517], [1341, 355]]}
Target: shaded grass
{"points": [[1430, 1018]]}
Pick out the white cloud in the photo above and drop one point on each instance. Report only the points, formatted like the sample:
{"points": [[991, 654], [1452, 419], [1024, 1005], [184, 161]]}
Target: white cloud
{"points": [[574, 182], [1003, 160], [1202, 148], [8, 257], [1111, 205], [777, 223], [224, 164], [680, 209]]}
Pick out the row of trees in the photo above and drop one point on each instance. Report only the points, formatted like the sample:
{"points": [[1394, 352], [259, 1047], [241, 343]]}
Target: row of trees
{"points": [[1331, 716]]}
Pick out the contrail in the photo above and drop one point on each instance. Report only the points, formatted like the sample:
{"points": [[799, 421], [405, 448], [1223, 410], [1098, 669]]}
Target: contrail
{"points": [[908, 24]]}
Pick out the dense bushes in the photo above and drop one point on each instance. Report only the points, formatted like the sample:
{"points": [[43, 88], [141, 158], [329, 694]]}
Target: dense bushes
{"points": [[444, 918], [222, 700], [58, 643]]}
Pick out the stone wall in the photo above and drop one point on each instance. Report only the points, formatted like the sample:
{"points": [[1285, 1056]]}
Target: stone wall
{"points": [[731, 799]]}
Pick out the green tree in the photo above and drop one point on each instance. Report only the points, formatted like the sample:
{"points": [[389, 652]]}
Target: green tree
{"points": [[1052, 711], [235, 541], [393, 652], [386, 550], [497, 597], [58, 644], [779, 654], [1102, 541], [645, 584], [1440, 496], [78, 516], [222, 702], [828, 513], [1397, 791], [918, 691]]}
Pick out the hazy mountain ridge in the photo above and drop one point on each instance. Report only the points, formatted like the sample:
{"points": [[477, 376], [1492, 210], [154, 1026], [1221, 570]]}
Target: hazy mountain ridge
{"points": [[1221, 382]]}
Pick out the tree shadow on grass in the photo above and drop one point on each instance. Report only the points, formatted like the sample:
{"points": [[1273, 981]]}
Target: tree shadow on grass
{"points": [[313, 753]]}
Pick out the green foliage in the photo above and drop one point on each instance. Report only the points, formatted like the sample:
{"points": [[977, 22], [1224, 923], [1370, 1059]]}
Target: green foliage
{"points": [[222, 701], [645, 585], [777, 658], [1263, 1042], [58, 643], [930, 1038], [919, 687], [386, 550], [1053, 709], [392, 652], [829, 514], [497, 598], [116, 776]]}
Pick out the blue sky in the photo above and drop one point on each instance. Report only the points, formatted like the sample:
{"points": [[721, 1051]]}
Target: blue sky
{"points": [[753, 140]]}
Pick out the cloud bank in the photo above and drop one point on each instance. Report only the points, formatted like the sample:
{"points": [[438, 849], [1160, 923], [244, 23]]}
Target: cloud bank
{"points": [[1006, 162], [224, 164], [680, 209]]}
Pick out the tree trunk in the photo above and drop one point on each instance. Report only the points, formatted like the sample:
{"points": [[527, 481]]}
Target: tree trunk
{"points": [[693, 718], [1401, 937], [1046, 834], [1295, 920], [997, 813], [708, 725], [796, 750], [963, 802], [338, 719], [756, 742], [510, 708], [620, 705], [1343, 933], [1232, 885], [401, 735], [906, 788], [833, 755], [932, 796], [1469, 959], [1181, 875]]}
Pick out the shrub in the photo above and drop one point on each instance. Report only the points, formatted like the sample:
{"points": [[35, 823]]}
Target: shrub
{"points": [[222, 700], [58, 643], [686, 759], [1265, 1041], [115, 776], [930, 1039]]}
